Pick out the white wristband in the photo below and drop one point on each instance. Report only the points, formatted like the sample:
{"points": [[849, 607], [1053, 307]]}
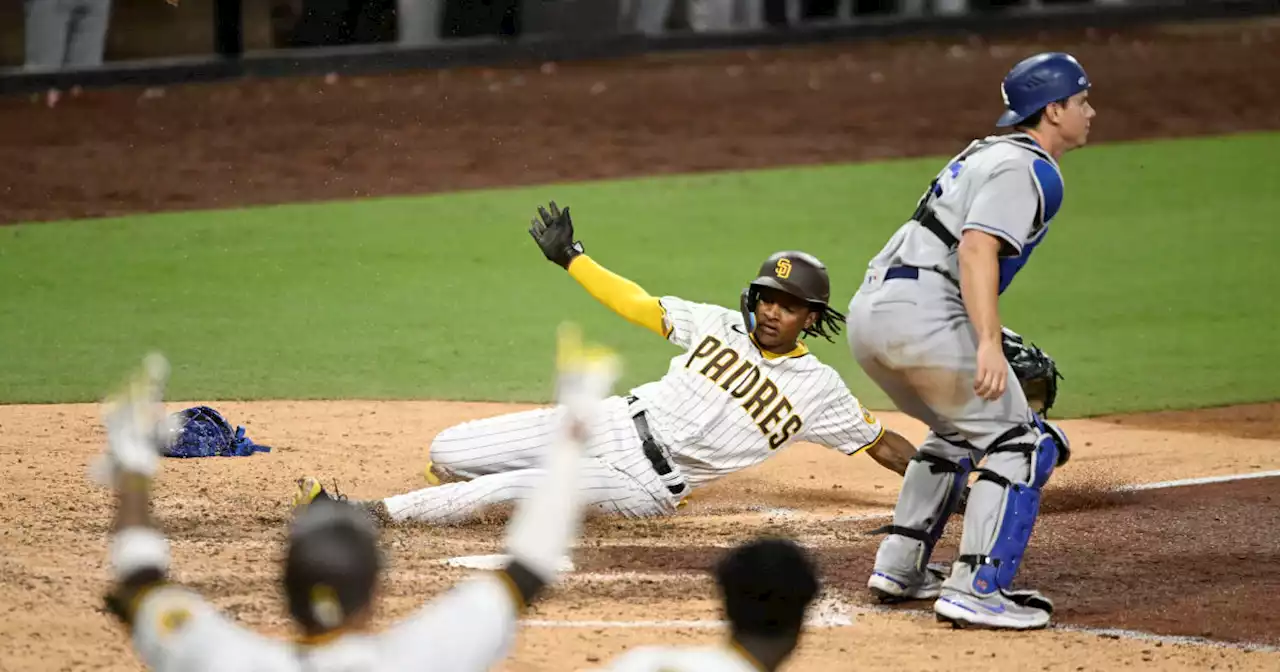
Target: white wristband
{"points": [[137, 548]]}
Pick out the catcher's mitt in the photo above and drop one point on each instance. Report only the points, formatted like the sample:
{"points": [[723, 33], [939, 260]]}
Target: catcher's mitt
{"points": [[1036, 370]]}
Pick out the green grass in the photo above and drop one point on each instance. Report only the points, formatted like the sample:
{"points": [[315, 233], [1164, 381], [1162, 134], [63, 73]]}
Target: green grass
{"points": [[1155, 288]]}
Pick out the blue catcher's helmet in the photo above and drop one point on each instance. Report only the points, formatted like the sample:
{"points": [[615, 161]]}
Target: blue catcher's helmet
{"points": [[1037, 81]]}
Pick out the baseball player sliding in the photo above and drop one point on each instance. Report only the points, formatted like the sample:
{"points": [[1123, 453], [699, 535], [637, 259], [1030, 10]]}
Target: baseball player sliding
{"points": [[743, 388], [925, 327], [332, 563]]}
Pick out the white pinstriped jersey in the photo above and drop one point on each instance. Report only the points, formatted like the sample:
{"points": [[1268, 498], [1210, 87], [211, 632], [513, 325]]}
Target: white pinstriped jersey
{"points": [[723, 406], [469, 628]]}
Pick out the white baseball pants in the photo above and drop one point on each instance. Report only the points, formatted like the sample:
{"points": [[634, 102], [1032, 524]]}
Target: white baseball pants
{"points": [[501, 457]]}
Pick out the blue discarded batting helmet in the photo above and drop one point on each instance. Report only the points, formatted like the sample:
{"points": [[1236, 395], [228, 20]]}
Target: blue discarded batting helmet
{"points": [[1037, 81]]}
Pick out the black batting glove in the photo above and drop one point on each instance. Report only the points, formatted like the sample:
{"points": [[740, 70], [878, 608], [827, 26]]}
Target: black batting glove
{"points": [[553, 232]]}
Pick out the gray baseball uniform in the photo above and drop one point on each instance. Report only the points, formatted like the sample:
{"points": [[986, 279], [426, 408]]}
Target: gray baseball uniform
{"points": [[914, 338], [910, 332], [66, 33]]}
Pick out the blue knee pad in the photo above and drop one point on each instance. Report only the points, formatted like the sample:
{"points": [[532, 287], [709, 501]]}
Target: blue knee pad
{"points": [[1022, 507]]}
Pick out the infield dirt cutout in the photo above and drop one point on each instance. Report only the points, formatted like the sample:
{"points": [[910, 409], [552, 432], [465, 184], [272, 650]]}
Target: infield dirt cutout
{"points": [[1178, 562]]}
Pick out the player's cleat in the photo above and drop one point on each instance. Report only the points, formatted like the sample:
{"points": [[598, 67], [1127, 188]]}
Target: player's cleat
{"points": [[995, 611], [308, 488], [927, 585], [430, 474]]}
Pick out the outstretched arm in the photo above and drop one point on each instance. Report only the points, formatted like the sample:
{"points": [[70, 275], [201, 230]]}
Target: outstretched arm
{"points": [[893, 452], [483, 611], [553, 232], [139, 553], [621, 295]]}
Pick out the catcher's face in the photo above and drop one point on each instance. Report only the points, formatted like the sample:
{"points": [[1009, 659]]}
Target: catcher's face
{"points": [[780, 318], [1074, 119]]}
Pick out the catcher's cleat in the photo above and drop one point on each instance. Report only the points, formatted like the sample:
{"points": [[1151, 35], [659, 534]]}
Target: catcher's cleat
{"points": [[995, 611], [926, 585]]}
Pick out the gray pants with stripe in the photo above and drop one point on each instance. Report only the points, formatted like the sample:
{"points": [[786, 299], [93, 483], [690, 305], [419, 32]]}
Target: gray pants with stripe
{"points": [[501, 459], [66, 33], [913, 338]]}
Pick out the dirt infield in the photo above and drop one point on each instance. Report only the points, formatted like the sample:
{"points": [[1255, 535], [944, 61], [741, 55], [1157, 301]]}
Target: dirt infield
{"points": [[1177, 562], [221, 145]]}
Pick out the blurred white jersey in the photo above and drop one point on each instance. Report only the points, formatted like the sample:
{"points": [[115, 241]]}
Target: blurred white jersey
{"points": [[468, 629], [693, 659]]}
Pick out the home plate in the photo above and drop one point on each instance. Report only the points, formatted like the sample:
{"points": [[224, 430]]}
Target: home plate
{"points": [[497, 562]]}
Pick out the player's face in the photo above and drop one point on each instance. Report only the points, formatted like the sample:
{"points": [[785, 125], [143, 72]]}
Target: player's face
{"points": [[1074, 122], [780, 318]]}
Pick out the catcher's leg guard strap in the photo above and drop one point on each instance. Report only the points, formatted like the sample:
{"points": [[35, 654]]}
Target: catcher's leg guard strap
{"points": [[931, 490], [1008, 489]]}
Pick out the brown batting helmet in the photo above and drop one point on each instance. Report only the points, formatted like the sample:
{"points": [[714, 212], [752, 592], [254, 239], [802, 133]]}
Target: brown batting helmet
{"points": [[797, 273], [801, 275]]}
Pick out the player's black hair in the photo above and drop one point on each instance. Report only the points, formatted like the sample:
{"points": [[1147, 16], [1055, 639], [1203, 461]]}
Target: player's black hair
{"points": [[829, 323], [766, 586], [332, 565], [1036, 117]]}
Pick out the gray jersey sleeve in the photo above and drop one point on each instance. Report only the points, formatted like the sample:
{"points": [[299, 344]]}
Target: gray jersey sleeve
{"points": [[1006, 205]]}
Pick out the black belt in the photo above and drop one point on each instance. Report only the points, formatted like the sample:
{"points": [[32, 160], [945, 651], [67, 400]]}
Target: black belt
{"points": [[653, 451], [902, 272], [913, 273]]}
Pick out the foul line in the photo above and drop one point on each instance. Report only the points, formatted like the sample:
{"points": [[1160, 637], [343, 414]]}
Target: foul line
{"points": [[1159, 485], [838, 614], [1109, 633], [834, 612], [830, 612], [1117, 633], [1203, 480]]}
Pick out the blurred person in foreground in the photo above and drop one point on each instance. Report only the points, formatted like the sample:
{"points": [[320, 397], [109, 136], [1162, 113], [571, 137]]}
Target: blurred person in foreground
{"points": [[332, 563], [66, 33], [766, 586]]}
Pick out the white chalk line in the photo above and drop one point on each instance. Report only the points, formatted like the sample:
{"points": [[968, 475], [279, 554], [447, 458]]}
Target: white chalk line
{"points": [[1108, 633], [1159, 485], [839, 613], [828, 612], [1203, 480], [612, 577]]}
